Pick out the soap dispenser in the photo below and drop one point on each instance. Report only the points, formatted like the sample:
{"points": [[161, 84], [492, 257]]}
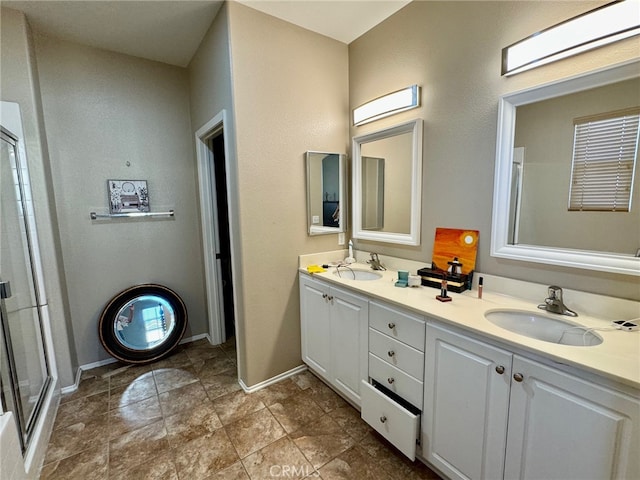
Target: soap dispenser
{"points": [[350, 258]]}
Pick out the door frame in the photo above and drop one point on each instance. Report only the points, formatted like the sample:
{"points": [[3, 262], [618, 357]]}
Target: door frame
{"points": [[207, 198]]}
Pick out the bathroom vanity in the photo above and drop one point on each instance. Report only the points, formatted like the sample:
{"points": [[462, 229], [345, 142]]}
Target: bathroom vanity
{"points": [[467, 397]]}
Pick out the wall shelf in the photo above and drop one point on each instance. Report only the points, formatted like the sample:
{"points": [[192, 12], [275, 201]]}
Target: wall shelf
{"points": [[96, 216]]}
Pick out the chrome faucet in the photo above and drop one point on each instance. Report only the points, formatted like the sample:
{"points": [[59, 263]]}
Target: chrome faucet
{"points": [[375, 262], [554, 304]]}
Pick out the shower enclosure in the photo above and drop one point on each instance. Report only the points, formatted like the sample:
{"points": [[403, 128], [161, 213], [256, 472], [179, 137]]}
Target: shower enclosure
{"points": [[25, 371]]}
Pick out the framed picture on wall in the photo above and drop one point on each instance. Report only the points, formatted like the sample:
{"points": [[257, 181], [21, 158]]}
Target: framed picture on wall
{"points": [[128, 196]]}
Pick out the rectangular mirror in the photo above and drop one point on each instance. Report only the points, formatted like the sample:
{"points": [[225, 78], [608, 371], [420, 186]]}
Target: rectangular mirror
{"points": [[387, 184], [325, 193], [532, 216]]}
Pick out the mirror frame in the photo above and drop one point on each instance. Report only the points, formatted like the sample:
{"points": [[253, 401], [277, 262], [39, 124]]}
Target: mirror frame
{"points": [[342, 202], [585, 259], [110, 312], [414, 127]]}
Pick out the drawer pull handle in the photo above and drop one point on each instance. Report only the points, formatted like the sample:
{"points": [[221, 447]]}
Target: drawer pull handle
{"points": [[330, 298], [391, 353], [500, 369], [383, 419], [518, 377], [392, 326], [324, 295], [390, 380]]}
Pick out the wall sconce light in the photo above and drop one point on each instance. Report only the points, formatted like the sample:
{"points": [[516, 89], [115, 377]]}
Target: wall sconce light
{"points": [[596, 28], [389, 104]]}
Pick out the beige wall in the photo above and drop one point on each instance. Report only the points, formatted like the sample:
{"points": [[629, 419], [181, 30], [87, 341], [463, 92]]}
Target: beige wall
{"points": [[452, 49], [290, 92], [19, 83], [103, 109]]}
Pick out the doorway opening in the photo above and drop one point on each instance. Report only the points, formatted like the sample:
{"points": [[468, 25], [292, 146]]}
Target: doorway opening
{"points": [[217, 235]]}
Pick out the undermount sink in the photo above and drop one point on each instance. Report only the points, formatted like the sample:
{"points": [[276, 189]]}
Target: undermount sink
{"points": [[541, 327], [352, 274]]}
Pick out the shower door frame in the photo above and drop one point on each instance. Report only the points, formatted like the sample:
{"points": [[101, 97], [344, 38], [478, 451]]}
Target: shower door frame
{"points": [[25, 426]]}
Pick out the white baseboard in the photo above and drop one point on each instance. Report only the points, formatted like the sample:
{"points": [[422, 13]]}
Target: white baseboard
{"points": [[107, 361], [272, 380]]}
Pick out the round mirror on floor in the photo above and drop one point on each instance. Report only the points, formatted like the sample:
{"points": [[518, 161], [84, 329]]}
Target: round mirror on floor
{"points": [[142, 323]]}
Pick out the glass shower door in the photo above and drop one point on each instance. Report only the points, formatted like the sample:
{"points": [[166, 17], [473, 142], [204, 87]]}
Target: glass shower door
{"points": [[23, 366]]}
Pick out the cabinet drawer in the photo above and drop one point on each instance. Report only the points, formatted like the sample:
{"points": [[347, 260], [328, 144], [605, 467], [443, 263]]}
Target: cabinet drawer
{"points": [[392, 421], [396, 380], [403, 326], [398, 354]]}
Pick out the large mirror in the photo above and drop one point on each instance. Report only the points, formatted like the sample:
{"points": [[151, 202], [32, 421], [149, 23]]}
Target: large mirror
{"points": [[387, 184], [142, 323], [532, 218], [325, 193]]}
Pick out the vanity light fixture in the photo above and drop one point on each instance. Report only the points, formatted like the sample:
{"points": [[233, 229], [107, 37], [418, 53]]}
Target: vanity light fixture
{"points": [[606, 24], [389, 104]]}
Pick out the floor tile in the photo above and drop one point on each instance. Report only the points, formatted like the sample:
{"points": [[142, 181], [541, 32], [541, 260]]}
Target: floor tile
{"points": [[72, 439], [182, 398], [322, 440], [352, 464], [234, 472], [203, 456], [221, 383], [203, 351], [175, 360], [192, 423], [232, 406], [134, 416], [137, 447], [350, 421], [91, 463], [295, 411], [305, 380], [326, 398], [279, 459], [158, 468], [254, 431], [277, 392], [87, 387], [170, 378], [82, 409], [127, 375], [209, 367], [141, 388]]}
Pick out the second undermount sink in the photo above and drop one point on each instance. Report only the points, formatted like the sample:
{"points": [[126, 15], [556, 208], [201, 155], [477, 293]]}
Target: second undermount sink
{"points": [[541, 327], [353, 274]]}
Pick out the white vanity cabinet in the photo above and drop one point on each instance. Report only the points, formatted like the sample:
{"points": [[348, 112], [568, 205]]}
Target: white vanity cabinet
{"points": [[334, 335], [393, 400], [491, 414]]}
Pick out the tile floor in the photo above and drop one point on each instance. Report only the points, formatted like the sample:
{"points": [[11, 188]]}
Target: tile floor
{"points": [[186, 417]]}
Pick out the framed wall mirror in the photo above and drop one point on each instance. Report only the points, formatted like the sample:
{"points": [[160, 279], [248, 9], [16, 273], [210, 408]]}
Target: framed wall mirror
{"points": [[143, 323], [325, 193], [387, 184], [538, 150]]}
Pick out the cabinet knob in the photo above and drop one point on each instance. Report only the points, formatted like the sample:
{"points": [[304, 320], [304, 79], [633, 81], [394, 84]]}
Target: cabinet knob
{"points": [[324, 295], [383, 419], [518, 377], [391, 353], [392, 326], [391, 380], [330, 297], [500, 369]]}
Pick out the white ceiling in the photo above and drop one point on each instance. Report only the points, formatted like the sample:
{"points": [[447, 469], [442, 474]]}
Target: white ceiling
{"points": [[170, 31]]}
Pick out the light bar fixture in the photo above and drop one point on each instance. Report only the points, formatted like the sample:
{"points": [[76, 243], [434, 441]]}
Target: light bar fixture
{"points": [[596, 28], [389, 104]]}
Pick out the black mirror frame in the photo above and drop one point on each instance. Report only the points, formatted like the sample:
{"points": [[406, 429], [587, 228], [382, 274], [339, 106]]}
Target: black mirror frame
{"points": [[116, 349]]}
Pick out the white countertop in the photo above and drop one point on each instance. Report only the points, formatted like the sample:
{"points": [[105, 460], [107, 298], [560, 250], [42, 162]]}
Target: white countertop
{"points": [[616, 358]]}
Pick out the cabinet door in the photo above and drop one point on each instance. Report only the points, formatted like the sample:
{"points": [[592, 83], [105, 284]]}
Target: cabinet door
{"points": [[564, 427], [315, 325], [349, 325], [466, 396]]}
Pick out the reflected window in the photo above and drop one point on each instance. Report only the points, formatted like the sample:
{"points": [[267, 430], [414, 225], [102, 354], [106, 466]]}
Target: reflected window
{"points": [[155, 325], [605, 152]]}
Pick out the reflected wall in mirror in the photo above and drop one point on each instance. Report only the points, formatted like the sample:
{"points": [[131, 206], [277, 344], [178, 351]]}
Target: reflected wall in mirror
{"points": [[387, 183], [531, 217], [142, 323], [325, 193]]}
